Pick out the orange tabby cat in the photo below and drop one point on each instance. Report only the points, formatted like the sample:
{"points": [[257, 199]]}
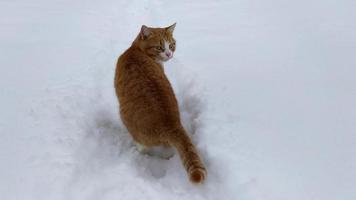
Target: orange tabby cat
{"points": [[148, 106]]}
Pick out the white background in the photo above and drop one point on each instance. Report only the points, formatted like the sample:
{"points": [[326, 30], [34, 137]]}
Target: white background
{"points": [[266, 88]]}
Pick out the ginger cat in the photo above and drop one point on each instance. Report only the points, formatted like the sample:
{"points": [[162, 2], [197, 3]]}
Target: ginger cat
{"points": [[148, 106]]}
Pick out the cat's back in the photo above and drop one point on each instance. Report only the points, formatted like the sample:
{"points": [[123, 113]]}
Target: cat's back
{"points": [[143, 88], [135, 69], [129, 68]]}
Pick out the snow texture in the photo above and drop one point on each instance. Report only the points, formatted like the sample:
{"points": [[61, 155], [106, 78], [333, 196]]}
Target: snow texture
{"points": [[266, 89]]}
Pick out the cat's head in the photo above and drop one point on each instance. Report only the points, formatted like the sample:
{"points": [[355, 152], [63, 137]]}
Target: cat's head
{"points": [[158, 43]]}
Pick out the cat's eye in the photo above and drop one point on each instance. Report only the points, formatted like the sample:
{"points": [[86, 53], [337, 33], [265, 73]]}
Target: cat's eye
{"points": [[159, 48], [171, 46]]}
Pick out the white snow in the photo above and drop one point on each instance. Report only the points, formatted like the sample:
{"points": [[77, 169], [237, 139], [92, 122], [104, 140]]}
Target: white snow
{"points": [[267, 89]]}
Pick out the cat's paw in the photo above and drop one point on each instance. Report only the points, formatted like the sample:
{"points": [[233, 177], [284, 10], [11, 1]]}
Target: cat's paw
{"points": [[142, 148], [158, 151], [166, 153]]}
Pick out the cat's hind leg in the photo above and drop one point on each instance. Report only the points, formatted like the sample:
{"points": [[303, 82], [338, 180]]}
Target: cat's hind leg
{"points": [[142, 148], [163, 151]]}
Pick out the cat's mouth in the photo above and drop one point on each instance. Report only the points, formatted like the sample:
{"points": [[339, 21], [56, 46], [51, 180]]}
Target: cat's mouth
{"points": [[165, 58]]}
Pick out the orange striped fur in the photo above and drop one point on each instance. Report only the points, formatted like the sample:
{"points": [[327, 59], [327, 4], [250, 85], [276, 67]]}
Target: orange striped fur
{"points": [[148, 106]]}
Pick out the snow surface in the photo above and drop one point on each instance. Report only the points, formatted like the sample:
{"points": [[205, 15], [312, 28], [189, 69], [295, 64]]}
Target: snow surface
{"points": [[267, 89]]}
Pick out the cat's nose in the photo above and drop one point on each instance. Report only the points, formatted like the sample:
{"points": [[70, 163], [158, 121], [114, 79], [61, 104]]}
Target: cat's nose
{"points": [[169, 54]]}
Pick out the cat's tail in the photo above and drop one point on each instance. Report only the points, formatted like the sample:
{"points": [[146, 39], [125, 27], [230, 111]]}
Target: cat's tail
{"points": [[189, 156]]}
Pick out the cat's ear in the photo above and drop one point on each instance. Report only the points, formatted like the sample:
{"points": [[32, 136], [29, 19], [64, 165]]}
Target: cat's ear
{"points": [[145, 32], [170, 28]]}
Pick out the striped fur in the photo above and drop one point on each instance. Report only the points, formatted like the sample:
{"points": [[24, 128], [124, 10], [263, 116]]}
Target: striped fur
{"points": [[148, 106]]}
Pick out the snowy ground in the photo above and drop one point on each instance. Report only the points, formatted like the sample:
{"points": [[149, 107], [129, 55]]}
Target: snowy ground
{"points": [[267, 89]]}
